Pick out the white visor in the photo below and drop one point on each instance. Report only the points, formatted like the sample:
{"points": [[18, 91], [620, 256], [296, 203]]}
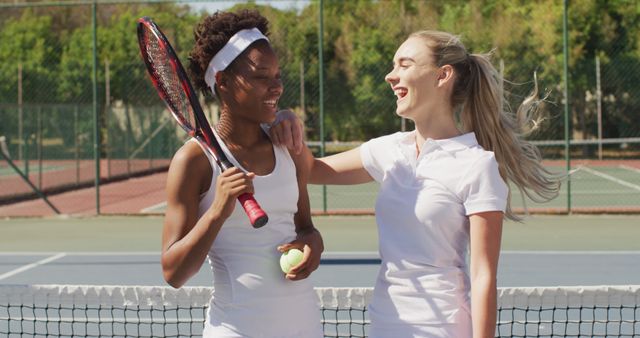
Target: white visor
{"points": [[236, 45]]}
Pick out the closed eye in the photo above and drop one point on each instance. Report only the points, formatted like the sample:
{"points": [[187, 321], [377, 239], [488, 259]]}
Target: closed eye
{"points": [[402, 65], [404, 62]]}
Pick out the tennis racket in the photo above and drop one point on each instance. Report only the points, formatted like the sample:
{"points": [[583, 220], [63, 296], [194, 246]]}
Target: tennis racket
{"points": [[171, 81]]}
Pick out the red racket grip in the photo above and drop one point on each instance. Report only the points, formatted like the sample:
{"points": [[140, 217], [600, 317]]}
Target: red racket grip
{"points": [[257, 216]]}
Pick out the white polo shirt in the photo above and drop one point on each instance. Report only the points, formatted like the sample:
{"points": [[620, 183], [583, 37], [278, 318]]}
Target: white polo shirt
{"points": [[422, 214]]}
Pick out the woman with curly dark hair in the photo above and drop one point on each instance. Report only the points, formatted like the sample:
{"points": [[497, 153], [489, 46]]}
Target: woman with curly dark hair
{"points": [[232, 59]]}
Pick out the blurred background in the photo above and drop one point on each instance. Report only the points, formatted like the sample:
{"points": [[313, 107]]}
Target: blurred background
{"points": [[85, 144], [79, 113]]}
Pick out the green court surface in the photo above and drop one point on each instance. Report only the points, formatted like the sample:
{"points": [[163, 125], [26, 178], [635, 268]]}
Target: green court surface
{"points": [[591, 187], [33, 168], [340, 233]]}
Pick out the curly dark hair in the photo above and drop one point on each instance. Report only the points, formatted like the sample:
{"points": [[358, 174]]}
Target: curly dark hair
{"points": [[213, 33]]}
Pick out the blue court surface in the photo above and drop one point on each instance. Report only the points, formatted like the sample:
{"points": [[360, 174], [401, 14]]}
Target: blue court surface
{"points": [[544, 268], [541, 251]]}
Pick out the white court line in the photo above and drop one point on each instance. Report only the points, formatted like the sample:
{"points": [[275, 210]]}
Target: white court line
{"points": [[154, 208], [629, 168], [374, 254], [32, 265], [591, 192], [335, 254], [156, 253], [81, 253], [569, 252], [611, 178], [573, 171]]}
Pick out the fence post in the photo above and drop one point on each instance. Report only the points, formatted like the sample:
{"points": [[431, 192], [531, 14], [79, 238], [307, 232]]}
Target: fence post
{"points": [[302, 98], [107, 110], [599, 107], [96, 120], [39, 145], [565, 52], [76, 134], [321, 93], [20, 115]]}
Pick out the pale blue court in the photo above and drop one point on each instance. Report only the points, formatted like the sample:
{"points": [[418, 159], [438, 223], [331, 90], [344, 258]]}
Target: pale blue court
{"points": [[593, 258]]}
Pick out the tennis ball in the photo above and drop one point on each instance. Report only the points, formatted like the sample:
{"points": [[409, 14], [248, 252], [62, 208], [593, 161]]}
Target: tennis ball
{"points": [[290, 259]]}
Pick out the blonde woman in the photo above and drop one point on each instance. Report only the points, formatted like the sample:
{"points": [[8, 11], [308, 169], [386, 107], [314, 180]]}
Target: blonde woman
{"points": [[443, 189]]}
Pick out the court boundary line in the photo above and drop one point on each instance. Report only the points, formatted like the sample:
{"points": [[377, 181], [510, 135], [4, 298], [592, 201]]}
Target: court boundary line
{"points": [[328, 254], [611, 178], [154, 208], [32, 265], [623, 166], [571, 252], [79, 253]]}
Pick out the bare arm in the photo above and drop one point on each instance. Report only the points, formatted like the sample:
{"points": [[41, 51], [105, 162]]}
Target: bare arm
{"points": [[308, 238], [186, 239], [343, 168], [486, 233]]}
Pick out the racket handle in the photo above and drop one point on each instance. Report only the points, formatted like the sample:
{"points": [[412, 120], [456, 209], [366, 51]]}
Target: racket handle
{"points": [[257, 216]]}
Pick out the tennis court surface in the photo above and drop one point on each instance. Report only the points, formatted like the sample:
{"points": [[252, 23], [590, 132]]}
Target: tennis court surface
{"points": [[100, 276], [596, 187], [84, 133]]}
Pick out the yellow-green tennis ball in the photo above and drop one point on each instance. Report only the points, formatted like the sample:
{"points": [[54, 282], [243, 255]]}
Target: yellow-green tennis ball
{"points": [[290, 259]]}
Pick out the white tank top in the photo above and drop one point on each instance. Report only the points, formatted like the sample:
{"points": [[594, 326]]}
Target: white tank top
{"points": [[251, 297]]}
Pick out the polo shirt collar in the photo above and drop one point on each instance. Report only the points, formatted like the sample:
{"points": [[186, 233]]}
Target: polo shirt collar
{"points": [[450, 145], [461, 142]]}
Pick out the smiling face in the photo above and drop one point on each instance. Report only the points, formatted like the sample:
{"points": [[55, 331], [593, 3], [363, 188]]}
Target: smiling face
{"points": [[253, 85], [414, 78]]}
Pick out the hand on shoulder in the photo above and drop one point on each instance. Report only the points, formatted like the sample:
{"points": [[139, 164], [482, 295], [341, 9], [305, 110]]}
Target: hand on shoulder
{"points": [[288, 130]]}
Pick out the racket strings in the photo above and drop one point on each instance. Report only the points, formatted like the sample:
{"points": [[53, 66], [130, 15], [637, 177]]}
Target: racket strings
{"points": [[169, 82]]}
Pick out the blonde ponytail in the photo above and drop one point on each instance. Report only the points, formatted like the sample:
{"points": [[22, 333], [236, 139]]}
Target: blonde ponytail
{"points": [[479, 101]]}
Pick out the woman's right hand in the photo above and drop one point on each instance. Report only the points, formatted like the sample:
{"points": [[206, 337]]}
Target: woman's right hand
{"points": [[229, 185]]}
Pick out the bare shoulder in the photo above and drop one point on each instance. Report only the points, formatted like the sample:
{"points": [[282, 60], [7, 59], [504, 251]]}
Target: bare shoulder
{"points": [[190, 164], [190, 155]]}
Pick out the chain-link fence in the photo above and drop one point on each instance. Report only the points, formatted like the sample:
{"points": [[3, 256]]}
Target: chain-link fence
{"points": [[51, 107]]}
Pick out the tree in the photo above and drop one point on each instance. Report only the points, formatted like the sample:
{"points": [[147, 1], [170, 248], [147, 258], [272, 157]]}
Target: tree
{"points": [[27, 42]]}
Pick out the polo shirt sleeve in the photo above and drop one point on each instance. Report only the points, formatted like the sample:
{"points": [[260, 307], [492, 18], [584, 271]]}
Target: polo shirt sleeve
{"points": [[371, 164], [482, 188]]}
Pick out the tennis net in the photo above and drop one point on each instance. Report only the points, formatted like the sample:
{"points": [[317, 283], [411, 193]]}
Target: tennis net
{"points": [[142, 311]]}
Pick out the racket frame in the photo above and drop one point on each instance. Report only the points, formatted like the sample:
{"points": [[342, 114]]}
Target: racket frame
{"points": [[201, 131]]}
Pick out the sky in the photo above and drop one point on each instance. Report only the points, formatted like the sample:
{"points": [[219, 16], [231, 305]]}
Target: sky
{"points": [[222, 5]]}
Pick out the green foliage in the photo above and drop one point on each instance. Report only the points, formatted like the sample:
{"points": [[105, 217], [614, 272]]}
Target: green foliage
{"points": [[27, 42], [54, 47]]}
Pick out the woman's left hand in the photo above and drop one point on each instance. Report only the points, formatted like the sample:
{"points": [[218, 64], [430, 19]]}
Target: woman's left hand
{"points": [[288, 130], [311, 244]]}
